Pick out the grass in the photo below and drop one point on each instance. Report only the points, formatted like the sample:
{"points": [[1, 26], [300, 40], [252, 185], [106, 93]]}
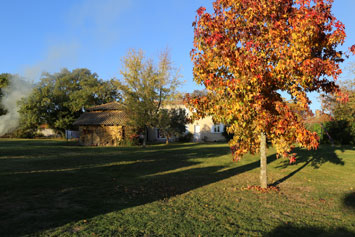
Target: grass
{"points": [[55, 188]]}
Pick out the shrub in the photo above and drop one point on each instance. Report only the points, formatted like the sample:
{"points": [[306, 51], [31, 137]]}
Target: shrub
{"points": [[340, 131], [316, 127], [24, 133], [186, 137]]}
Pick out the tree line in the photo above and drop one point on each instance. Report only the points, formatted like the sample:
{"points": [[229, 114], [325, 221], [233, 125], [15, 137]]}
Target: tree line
{"points": [[341, 128], [144, 87]]}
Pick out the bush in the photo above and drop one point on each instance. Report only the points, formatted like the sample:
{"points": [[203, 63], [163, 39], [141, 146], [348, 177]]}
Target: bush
{"points": [[131, 140], [340, 131], [316, 127], [186, 137], [24, 133]]}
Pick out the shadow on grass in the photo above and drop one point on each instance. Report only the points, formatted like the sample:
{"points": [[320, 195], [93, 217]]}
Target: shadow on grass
{"points": [[292, 230], [349, 201], [60, 184], [316, 159]]}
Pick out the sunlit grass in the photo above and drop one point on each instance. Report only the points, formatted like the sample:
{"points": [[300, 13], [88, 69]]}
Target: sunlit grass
{"points": [[57, 188]]}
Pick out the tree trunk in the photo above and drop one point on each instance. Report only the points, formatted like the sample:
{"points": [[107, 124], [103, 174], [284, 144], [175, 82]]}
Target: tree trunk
{"points": [[167, 140], [263, 161], [145, 136]]}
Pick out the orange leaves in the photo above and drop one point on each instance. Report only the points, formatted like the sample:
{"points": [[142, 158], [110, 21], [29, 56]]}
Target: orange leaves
{"points": [[339, 25], [352, 49], [303, 2], [247, 51], [200, 11], [249, 44], [292, 159], [342, 97]]}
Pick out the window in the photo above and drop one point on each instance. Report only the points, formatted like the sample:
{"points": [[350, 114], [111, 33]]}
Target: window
{"points": [[217, 128]]}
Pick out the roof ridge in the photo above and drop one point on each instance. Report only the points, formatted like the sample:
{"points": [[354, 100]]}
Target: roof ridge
{"points": [[112, 117], [114, 105]]}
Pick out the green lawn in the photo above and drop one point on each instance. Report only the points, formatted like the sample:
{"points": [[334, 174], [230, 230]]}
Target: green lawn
{"points": [[56, 188]]}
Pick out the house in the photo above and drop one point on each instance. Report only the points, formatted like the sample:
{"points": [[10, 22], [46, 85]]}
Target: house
{"points": [[203, 130], [102, 125], [105, 125]]}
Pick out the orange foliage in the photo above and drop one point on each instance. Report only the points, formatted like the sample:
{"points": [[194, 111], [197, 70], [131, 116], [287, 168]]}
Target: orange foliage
{"points": [[247, 51]]}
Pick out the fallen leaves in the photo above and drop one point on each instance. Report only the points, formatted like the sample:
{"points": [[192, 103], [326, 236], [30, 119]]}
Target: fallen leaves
{"points": [[260, 189]]}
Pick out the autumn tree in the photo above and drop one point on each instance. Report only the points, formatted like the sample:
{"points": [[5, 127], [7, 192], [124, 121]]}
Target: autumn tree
{"points": [[145, 87], [247, 52]]}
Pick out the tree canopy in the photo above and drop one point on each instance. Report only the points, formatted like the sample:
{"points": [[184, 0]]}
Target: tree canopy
{"points": [[342, 110], [59, 98], [4, 81], [247, 52], [145, 87], [172, 122]]}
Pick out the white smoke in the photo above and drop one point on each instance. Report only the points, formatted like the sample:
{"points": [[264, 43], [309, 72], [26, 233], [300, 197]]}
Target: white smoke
{"points": [[14, 92], [97, 17], [21, 87], [57, 56]]}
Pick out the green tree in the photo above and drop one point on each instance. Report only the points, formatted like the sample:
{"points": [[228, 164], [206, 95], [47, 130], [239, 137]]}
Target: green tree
{"points": [[145, 87], [59, 99], [172, 122], [4, 82], [342, 109]]}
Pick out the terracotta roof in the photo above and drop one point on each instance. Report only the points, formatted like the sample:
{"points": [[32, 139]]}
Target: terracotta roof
{"points": [[102, 118], [109, 106]]}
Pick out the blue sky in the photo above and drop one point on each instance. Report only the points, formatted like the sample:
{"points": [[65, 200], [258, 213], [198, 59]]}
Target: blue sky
{"points": [[42, 35]]}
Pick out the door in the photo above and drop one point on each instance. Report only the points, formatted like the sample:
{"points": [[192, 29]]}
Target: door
{"points": [[197, 134]]}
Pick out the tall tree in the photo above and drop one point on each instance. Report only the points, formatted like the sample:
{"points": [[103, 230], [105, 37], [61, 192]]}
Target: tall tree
{"points": [[145, 87], [59, 98], [246, 52]]}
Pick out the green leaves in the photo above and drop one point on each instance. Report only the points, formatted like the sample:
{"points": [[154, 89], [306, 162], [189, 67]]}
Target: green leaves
{"points": [[145, 87], [172, 122], [4, 81], [59, 98]]}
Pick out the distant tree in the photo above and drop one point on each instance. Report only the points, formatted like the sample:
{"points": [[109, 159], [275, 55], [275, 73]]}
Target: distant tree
{"points": [[59, 99], [342, 109], [172, 122], [145, 87], [4, 82], [246, 52]]}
